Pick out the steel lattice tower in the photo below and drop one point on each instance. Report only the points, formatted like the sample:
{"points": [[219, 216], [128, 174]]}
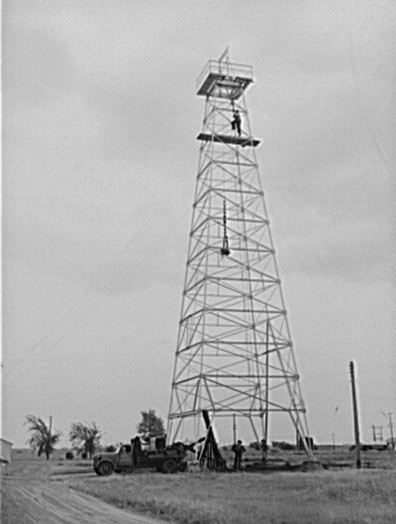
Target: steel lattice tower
{"points": [[234, 355]]}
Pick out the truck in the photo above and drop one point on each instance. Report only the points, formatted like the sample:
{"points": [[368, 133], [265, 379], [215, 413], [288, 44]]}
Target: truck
{"points": [[129, 457]]}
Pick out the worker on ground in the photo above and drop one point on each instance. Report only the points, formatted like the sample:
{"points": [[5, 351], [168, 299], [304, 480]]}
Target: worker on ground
{"points": [[136, 451], [264, 450], [238, 450], [236, 122]]}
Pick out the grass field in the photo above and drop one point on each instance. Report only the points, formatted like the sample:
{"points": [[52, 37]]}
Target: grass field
{"points": [[243, 498], [335, 495]]}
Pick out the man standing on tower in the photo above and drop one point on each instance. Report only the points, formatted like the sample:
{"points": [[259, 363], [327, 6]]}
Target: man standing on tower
{"points": [[236, 121]]}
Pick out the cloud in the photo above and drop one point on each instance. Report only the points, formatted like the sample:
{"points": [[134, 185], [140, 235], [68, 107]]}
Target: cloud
{"points": [[355, 251], [100, 160], [338, 222], [37, 65]]}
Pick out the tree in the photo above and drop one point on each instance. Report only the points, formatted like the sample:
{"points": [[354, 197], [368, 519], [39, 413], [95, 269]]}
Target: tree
{"points": [[151, 424], [85, 438], [42, 437]]}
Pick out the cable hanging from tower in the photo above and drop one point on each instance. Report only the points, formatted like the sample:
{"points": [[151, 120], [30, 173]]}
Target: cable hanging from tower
{"points": [[225, 250]]}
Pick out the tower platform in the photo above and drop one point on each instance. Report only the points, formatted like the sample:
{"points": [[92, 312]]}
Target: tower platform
{"points": [[224, 80], [228, 139]]}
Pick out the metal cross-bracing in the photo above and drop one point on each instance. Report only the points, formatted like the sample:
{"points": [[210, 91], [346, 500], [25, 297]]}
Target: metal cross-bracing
{"points": [[234, 354]]}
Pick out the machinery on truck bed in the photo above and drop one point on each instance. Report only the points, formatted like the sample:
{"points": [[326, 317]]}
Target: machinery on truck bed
{"points": [[158, 456], [129, 457]]}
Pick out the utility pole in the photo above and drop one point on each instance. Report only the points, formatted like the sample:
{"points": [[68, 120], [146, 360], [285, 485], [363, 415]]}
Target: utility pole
{"points": [[389, 415], [391, 431], [355, 416], [48, 445], [234, 427]]}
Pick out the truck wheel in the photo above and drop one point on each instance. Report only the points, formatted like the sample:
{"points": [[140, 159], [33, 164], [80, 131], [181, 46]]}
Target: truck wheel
{"points": [[105, 469], [183, 466], [170, 466]]}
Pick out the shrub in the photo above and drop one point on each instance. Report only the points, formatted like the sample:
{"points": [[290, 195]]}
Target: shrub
{"points": [[283, 445], [69, 455]]}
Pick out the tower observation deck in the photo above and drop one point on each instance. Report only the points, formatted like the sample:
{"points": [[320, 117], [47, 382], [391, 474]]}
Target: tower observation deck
{"points": [[234, 355], [225, 82]]}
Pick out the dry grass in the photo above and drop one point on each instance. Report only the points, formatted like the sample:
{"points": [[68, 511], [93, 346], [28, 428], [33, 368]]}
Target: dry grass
{"points": [[332, 496], [243, 498]]}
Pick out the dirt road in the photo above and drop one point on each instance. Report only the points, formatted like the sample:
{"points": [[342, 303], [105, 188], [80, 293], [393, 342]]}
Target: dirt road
{"points": [[30, 496]]}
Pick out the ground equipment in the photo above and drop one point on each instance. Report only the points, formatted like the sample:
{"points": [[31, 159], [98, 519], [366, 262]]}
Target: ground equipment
{"points": [[130, 457]]}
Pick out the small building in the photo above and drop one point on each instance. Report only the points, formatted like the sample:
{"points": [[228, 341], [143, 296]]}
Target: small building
{"points": [[5, 451]]}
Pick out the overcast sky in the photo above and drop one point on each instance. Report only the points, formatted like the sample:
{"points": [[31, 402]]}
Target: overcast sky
{"points": [[100, 118]]}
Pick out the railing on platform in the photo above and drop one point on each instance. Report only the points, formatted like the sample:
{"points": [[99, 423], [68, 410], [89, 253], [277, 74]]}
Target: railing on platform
{"points": [[225, 68]]}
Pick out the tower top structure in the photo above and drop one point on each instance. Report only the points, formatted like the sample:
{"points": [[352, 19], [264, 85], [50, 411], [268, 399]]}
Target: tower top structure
{"points": [[223, 79], [223, 84]]}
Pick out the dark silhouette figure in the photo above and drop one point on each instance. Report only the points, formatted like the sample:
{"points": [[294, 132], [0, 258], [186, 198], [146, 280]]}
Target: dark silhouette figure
{"points": [[264, 450], [239, 450], [236, 122], [136, 451]]}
